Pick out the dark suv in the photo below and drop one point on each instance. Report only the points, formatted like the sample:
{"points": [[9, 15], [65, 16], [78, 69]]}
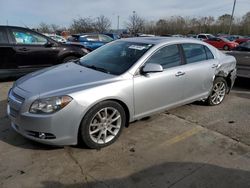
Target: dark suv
{"points": [[23, 50]]}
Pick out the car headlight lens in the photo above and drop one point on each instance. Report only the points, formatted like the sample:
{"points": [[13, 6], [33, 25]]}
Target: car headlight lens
{"points": [[49, 105]]}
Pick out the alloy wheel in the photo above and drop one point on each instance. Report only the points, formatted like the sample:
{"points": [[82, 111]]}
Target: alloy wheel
{"points": [[218, 93], [105, 125]]}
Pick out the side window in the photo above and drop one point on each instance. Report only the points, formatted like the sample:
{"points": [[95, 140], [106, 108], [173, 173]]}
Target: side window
{"points": [[26, 37], [3, 37], [209, 53], [202, 37], [105, 38], [167, 57], [194, 53]]}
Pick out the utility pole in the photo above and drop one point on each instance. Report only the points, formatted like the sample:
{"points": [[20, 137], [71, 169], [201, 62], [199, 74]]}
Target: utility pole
{"points": [[118, 22], [231, 21]]}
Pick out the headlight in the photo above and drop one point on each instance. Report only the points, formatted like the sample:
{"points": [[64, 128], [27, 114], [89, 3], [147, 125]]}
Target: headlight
{"points": [[49, 105]]}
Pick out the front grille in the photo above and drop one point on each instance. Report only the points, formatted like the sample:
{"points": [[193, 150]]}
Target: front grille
{"points": [[18, 97], [15, 102], [13, 112]]}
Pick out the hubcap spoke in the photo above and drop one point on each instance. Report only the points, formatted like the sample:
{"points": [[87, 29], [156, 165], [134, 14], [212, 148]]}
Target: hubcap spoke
{"points": [[95, 131], [218, 93], [115, 119]]}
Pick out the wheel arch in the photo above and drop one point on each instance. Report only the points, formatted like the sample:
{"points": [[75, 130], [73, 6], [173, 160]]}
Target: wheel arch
{"points": [[119, 101], [227, 77]]}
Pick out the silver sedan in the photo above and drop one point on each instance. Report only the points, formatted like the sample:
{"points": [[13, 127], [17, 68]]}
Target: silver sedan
{"points": [[95, 97]]}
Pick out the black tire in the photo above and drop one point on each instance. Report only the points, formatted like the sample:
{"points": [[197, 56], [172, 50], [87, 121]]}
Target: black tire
{"points": [[91, 123], [226, 48], [69, 58], [220, 83]]}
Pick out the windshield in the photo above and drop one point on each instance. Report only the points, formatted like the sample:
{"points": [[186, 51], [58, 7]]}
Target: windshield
{"points": [[116, 57], [225, 39]]}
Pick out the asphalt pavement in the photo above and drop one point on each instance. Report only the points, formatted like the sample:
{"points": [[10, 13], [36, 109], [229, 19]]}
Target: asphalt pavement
{"points": [[190, 146]]}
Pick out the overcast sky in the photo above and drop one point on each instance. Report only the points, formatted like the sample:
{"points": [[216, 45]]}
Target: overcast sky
{"points": [[61, 12]]}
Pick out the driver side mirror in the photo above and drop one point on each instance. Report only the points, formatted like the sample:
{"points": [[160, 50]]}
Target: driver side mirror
{"points": [[151, 68]]}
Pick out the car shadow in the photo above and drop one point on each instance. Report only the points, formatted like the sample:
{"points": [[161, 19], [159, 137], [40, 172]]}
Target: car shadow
{"points": [[9, 136], [10, 79], [242, 87], [172, 174]]}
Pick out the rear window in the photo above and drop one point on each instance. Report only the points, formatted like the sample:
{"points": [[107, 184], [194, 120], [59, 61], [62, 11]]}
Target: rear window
{"points": [[209, 53], [194, 53], [3, 37]]}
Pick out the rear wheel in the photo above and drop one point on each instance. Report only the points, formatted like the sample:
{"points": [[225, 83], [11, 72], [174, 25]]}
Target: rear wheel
{"points": [[102, 124], [226, 47], [218, 92]]}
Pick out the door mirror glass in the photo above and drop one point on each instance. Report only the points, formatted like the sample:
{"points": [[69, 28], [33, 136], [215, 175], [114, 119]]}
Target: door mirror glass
{"points": [[150, 68]]}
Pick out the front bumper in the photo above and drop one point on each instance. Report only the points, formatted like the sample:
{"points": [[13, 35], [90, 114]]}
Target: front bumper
{"points": [[60, 128]]}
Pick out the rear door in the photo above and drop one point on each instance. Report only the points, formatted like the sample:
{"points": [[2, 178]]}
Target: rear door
{"points": [[32, 50], [198, 71], [7, 51]]}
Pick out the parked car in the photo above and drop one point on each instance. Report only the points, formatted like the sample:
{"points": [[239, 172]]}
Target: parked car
{"points": [[221, 43], [56, 37], [90, 41], [204, 36], [241, 40], [242, 55], [94, 98], [23, 50]]}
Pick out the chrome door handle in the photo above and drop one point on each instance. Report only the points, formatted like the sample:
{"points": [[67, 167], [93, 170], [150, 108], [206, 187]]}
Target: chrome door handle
{"points": [[180, 73]]}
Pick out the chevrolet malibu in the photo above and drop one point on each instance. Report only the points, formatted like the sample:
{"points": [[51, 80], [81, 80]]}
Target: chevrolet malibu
{"points": [[92, 99]]}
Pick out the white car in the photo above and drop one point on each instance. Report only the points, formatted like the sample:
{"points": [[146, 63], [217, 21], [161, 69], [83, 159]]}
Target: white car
{"points": [[204, 36]]}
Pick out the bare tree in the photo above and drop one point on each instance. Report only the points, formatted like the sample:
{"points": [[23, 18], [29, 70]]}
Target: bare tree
{"points": [[135, 24], [82, 25], [44, 28], [54, 28], [102, 24], [246, 23]]}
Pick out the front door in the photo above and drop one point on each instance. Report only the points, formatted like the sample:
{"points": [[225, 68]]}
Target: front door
{"points": [[156, 91]]}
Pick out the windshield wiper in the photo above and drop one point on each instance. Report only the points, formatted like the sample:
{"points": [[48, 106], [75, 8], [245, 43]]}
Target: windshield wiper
{"points": [[96, 68]]}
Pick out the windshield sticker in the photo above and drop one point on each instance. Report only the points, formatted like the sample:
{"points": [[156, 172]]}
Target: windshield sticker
{"points": [[136, 47]]}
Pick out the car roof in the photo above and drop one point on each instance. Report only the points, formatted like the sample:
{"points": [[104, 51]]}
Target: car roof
{"points": [[14, 27], [159, 40]]}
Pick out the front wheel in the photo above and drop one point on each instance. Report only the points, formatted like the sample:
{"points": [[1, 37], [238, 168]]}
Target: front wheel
{"points": [[218, 92], [102, 124]]}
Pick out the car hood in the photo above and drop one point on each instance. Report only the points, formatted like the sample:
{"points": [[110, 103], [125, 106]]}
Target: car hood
{"points": [[65, 77]]}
